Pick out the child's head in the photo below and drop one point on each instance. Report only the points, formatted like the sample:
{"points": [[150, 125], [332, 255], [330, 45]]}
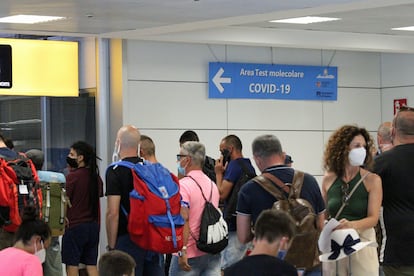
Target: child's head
{"points": [[116, 263]]}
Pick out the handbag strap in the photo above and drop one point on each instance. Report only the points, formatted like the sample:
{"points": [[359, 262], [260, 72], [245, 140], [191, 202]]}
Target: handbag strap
{"points": [[350, 195], [243, 166]]}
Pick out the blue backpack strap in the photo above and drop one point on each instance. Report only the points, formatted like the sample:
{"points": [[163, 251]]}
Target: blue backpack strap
{"points": [[129, 165], [120, 163], [154, 175], [158, 179], [160, 182], [123, 163]]}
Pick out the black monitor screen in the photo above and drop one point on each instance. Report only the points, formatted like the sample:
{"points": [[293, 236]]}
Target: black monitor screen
{"points": [[5, 66]]}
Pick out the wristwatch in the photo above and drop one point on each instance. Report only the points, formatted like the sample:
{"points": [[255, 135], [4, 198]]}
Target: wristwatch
{"points": [[182, 251], [108, 248]]}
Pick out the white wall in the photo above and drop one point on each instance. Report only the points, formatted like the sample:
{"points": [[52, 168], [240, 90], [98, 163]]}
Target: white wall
{"points": [[397, 81], [87, 63], [167, 93]]}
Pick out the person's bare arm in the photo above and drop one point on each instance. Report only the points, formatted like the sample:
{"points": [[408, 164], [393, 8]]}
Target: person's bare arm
{"points": [[223, 186], [320, 220], [374, 187], [183, 260], [244, 233], [112, 219]]}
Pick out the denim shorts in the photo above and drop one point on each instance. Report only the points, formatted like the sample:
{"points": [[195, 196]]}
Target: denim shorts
{"points": [[80, 244], [234, 251], [205, 265]]}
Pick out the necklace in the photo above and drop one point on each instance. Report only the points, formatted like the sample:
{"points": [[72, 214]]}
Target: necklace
{"points": [[347, 177]]}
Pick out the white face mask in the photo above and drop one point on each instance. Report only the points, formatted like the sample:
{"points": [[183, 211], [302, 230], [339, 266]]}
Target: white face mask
{"points": [[139, 150], [357, 156], [41, 254], [115, 155]]}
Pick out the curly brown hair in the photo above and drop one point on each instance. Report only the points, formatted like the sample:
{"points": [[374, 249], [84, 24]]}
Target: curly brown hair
{"points": [[337, 149]]}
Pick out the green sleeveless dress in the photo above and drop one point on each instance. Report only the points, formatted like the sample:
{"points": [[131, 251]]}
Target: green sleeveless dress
{"points": [[357, 207]]}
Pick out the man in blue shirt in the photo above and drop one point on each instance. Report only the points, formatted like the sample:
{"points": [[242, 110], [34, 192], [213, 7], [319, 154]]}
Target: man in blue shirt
{"points": [[253, 199], [230, 169]]}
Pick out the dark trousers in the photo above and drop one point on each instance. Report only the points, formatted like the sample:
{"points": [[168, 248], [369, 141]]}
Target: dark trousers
{"points": [[148, 263]]}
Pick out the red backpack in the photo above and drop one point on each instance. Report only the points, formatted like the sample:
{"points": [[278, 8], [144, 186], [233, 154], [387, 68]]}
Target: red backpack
{"points": [[19, 187], [154, 220]]}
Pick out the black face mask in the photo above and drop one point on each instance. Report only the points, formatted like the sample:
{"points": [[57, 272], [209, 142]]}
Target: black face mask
{"points": [[71, 162]]}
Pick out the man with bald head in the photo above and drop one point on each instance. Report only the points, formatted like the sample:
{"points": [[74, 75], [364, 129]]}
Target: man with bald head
{"points": [[395, 167], [119, 183]]}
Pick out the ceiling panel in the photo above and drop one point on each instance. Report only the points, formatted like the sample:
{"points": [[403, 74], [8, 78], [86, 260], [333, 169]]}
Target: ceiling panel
{"points": [[185, 20]]}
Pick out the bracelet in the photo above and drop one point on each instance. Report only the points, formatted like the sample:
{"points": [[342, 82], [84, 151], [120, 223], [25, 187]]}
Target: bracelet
{"points": [[182, 251], [108, 248]]}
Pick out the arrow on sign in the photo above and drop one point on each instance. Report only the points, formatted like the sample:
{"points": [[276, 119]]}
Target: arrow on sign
{"points": [[218, 80]]}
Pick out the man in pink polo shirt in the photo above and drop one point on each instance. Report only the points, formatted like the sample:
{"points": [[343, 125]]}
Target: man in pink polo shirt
{"points": [[193, 185]]}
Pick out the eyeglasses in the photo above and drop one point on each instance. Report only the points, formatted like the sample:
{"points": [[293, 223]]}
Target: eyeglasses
{"points": [[181, 155], [345, 192]]}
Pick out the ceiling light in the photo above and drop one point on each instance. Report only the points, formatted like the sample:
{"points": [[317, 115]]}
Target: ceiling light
{"points": [[305, 20], [29, 19], [409, 28]]}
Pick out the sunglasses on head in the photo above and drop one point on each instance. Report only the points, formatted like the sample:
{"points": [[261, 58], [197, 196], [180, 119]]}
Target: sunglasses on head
{"points": [[345, 192], [406, 108]]}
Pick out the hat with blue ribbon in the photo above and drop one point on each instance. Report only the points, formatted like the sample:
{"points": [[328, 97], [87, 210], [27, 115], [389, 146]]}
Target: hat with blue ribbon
{"points": [[344, 242]]}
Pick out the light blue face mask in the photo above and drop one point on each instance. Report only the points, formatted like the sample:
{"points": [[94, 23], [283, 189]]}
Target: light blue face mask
{"points": [[281, 254], [180, 169]]}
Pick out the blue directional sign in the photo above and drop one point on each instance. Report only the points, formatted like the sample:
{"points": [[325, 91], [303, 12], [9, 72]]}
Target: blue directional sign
{"points": [[272, 81]]}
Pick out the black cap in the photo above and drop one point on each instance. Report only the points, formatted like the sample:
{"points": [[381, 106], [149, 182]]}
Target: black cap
{"points": [[288, 159]]}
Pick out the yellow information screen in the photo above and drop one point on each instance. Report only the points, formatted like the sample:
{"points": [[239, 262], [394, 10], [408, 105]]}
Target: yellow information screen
{"points": [[42, 68]]}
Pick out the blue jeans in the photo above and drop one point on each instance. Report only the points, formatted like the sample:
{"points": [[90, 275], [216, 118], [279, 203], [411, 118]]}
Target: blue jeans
{"points": [[147, 262], [53, 263], [381, 270], [206, 265], [234, 251]]}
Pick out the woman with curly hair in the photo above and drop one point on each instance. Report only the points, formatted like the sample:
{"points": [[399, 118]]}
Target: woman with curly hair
{"points": [[347, 160]]}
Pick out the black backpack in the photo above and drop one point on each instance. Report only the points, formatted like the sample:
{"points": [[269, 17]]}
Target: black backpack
{"points": [[213, 236], [208, 168], [230, 210]]}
